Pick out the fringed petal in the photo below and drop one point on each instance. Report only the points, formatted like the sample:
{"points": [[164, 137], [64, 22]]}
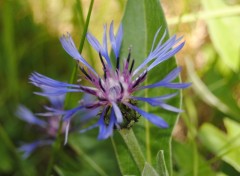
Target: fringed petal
{"points": [[28, 149], [116, 41], [166, 82], [96, 45], [117, 112], [156, 120], [26, 115], [70, 48]]}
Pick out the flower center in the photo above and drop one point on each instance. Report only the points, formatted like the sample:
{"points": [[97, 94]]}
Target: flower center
{"points": [[114, 93]]}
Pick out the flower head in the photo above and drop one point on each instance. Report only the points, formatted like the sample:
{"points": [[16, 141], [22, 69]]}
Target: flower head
{"points": [[49, 126], [114, 90]]}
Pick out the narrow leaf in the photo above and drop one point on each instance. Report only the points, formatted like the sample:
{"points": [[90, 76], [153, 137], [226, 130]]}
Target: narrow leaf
{"points": [[219, 28], [149, 170], [161, 165], [141, 21]]}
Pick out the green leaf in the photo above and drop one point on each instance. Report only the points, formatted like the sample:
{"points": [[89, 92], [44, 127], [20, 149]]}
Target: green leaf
{"points": [[125, 160], [132, 144], [189, 161], [161, 165], [223, 145], [207, 96], [224, 33], [141, 20], [149, 170]]}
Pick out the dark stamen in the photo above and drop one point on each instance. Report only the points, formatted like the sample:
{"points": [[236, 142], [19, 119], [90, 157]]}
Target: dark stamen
{"points": [[85, 73], [100, 84], [121, 87], [103, 64], [129, 56], [105, 116], [118, 61], [131, 68], [88, 90], [105, 75], [117, 71], [139, 79], [102, 99], [94, 105]]}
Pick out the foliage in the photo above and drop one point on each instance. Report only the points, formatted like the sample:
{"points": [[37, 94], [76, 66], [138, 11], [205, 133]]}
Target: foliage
{"points": [[205, 139]]}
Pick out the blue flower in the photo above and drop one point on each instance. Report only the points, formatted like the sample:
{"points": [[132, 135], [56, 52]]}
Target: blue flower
{"points": [[114, 90], [50, 126]]}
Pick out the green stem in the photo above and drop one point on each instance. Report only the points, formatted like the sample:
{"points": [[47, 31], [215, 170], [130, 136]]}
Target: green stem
{"points": [[147, 126], [55, 149], [82, 23], [57, 144], [73, 75], [206, 15], [134, 148], [9, 49], [86, 26]]}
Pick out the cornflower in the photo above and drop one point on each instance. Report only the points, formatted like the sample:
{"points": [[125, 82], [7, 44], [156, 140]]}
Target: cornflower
{"points": [[114, 90], [49, 126]]}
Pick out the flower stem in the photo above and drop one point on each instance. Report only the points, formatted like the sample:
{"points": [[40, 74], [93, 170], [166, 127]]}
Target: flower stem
{"points": [[147, 126], [85, 24], [134, 148], [55, 149], [57, 144], [8, 47], [205, 15]]}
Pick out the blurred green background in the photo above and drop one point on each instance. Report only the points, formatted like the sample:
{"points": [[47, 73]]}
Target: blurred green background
{"points": [[207, 136]]}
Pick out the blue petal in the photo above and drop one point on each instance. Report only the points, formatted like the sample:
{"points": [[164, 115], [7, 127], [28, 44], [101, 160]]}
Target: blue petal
{"points": [[166, 82], [102, 130], [66, 132], [166, 56], [27, 149], [26, 115], [57, 87], [57, 92], [117, 112], [105, 47], [68, 114], [158, 101], [102, 126], [107, 131], [116, 41], [70, 48], [161, 53], [177, 85], [88, 114], [54, 110], [96, 45], [161, 49], [155, 38], [172, 75], [158, 98], [39, 79], [158, 121], [56, 101], [170, 108]]}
